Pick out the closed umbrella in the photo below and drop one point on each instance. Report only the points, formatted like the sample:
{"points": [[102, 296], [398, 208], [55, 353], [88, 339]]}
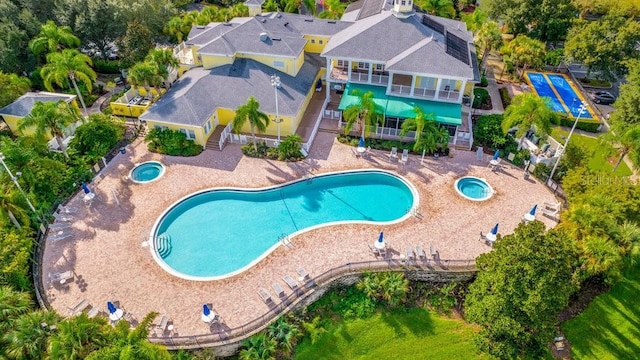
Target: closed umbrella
{"points": [[533, 210], [531, 215], [361, 142], [494, 231], [496, 155], [491, 236], [380, 243], [85, 188]]}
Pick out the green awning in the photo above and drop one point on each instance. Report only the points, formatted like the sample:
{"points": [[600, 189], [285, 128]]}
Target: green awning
{"points": [[446, 113], [394, 106]]}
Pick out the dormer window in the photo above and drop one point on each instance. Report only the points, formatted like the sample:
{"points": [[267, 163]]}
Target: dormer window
{"points": [[404, 2]]}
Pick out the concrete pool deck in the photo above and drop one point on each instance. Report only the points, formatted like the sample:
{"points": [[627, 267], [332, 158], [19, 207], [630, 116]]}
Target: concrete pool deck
{"points": [[109, 262]]}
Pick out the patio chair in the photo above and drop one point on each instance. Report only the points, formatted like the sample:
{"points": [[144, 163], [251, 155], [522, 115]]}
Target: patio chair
{"points": [[59, 226], [383, 252], [79, 307], [264, 295], [62, 277], [278, 289], [393, 154], [420, 253], [552, 213], [433, 251], [60, 235], [66, 209], [356, 154], [373, 250], [162, 326], [61, 217], [552, 206], [405, 156], [302, 273], [409, 252], [291, 282], [93, 312]]}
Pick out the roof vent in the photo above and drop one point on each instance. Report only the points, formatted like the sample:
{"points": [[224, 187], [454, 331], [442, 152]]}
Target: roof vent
{"points": [[331, 22], [199, 27], [276, 39], [286, 24], [264, 37], [308, 20], [227, 24]]}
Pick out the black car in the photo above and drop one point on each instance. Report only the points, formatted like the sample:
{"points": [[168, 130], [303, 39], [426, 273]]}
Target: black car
{"points": [[603, 97]]}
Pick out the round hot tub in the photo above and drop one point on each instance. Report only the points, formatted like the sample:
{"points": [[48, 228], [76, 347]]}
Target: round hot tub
{"points": [[147, 172], [473, 188]]}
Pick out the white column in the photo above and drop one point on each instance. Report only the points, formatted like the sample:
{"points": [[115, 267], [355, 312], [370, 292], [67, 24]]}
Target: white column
{"points": [[462, 88], [389, 83], [329, 68], [349, 71], [413, 84], [438, 87], [370, 72]]}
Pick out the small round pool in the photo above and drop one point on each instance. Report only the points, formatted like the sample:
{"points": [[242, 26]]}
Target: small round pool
{"points": [[473, 188], [147, 172]]}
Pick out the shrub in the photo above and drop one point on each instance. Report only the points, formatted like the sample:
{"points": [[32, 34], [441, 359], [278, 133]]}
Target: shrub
{"points": [[481, 98], [377, 144], [488, 132], [483, 81], [97, 136], [554, 57], [171, 142], [586, 125], [289, 148], [505, 97], [107, 66]]}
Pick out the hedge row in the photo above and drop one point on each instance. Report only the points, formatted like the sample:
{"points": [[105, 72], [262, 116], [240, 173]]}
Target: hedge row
{"points": [[586, 125], [505, 97]]}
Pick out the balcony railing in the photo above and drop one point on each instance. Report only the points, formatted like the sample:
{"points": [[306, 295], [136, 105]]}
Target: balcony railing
{"points": [[449, 95], [401, 89], [424, 93], [380, 79], [183, 53], [360, 77]]}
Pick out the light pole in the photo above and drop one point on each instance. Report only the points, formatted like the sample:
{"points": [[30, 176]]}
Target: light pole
{"points": [[275, 82], [581, 109], [15, 181]]}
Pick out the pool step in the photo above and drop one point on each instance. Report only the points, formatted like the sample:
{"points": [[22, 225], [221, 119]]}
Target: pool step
{"points": [[162, 244]]}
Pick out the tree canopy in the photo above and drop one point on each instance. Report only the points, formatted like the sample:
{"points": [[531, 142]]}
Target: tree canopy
{"points": [[520, 288], [528, 111]]}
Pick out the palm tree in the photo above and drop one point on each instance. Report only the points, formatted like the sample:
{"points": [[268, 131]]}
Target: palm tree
{"points": [[369, 285], [366, 113], [77, 337], [50, 117], [163, 60], [13, 304], [626, 140], [475, 20], [9, 203], [258, 347], [428, 133], [131, 344], [310, 5], [394, 287], [68, 65], [525, 51], [53, 38], [333, 9], [442, 8], [257, 119], [144, 74], [489, 38], [27, 339], [284, 334], [527, 111]]}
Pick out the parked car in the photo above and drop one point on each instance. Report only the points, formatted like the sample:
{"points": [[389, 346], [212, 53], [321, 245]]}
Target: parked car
{"points": [[603, 97]]}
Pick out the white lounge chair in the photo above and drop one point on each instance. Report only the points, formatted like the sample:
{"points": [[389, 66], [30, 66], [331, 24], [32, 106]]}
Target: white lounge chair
{"points": [[394, 153], [552, 213], [420, 253], [66, 209], [278, 289], [59, 235], [62, 277], [59, 226], [79, 307], [291, 282], [302, 273], [264, 295], [162, 326], [61, 217], [405, 156], [552, 206]]}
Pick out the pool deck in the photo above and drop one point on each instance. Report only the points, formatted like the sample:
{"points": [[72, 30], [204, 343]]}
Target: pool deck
{"points": [[109, 262]]}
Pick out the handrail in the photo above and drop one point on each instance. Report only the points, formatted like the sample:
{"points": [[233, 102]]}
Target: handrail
{"points": [[307, 146], [239, 333], [224, 135]]}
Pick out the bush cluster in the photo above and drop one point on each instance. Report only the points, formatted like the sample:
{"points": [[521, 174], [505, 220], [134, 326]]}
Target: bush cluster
{"points": [[505, 97], [481, 99], [586, 124], [287, 150], [171, 142]]}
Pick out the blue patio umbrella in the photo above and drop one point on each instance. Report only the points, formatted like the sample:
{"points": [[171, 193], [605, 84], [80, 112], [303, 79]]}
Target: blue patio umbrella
{"points": [[380, 243], [85, 188], [381, 237], [533, 210], [494, 231], [361, 143], [496, 155], [112, 308], [205, 310]]}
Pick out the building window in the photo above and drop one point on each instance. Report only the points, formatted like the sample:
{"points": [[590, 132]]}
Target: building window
{"points": [[278, 63], [363, 66], [160, 127], [448, 85], [320, 41], [379, 67], [207, 127], [342, 63], [404, 2], [190, 134], [313, 41]]}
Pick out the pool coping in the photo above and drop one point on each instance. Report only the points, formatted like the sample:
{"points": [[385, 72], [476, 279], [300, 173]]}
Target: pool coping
{"points": [[455, 186], [158, 259], [162, 171]]}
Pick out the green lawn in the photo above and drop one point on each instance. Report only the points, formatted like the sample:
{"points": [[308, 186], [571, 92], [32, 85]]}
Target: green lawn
{"points": [[610, 326], [595, 149], [401, 334]]}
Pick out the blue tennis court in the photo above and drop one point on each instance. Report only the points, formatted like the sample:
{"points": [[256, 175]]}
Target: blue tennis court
{"points": [[568, 95], [543, 88]]}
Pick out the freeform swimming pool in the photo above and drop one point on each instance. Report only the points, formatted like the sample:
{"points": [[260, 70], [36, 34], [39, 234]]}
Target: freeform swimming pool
{"points": [[218, 233]]}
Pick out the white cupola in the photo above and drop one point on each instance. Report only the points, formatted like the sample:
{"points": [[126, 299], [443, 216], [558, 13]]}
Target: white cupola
{"points": [[403, 8]]}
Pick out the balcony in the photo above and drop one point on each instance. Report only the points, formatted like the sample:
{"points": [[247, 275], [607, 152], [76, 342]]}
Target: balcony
{"points": [[338, 74], [380, 78], [184, 54], [397, 89], [449, 95], [427, 94]]}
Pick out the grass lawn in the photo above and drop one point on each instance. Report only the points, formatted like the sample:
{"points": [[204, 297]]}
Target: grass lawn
{"points": [[610, 326], [400, 334], [595, 149]]}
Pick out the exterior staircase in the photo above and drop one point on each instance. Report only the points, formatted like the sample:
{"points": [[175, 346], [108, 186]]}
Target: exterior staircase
{"points": [[214, 140]]}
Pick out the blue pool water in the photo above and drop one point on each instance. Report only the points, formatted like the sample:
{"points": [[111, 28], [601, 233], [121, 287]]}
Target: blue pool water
{"points": [[568, 95], [147, 172], [544, 90], [219, 232], [473, 188]]}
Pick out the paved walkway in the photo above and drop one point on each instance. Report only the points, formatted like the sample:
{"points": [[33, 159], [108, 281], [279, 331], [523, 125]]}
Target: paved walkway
{"points": [[110, 264]]}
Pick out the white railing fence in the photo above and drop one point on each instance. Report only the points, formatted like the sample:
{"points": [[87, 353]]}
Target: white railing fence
{"points": [[401, 89], [307, 146], [224, 135]]}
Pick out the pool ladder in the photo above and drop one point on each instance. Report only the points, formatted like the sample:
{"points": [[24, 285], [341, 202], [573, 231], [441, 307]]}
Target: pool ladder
{"points": [[162, 243], [284, 239]]}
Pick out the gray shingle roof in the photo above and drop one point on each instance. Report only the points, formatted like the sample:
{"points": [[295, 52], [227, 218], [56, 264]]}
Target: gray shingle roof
{"points": [[245, 36], [201, 35], [199, 92], [401, 37], [370, 8], [23, 105]]}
